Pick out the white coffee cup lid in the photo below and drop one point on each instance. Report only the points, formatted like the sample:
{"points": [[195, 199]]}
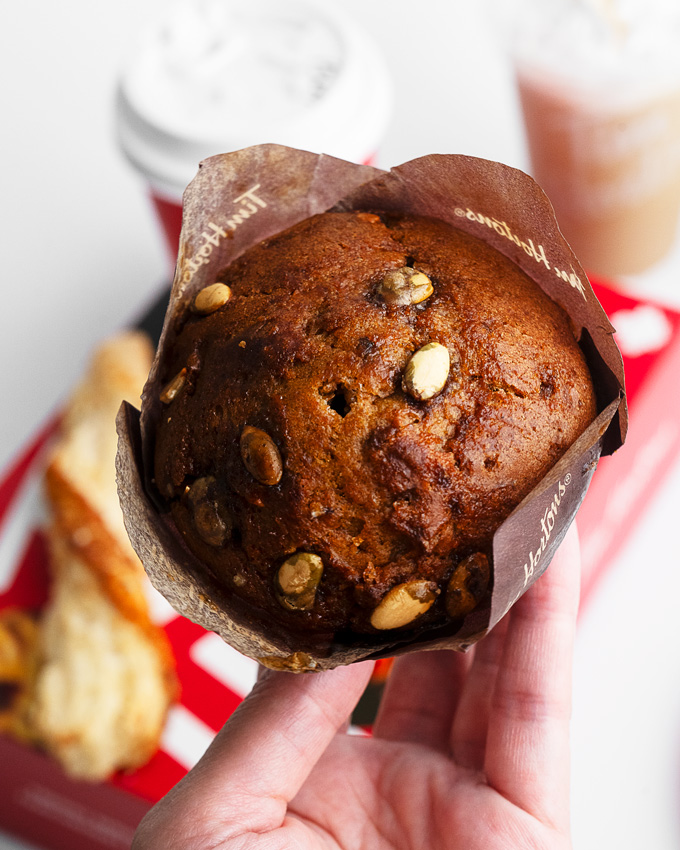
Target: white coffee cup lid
{"points": [[216, 75]]}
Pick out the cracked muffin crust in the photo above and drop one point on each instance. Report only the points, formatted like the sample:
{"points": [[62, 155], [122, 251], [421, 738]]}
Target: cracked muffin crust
{"points": [[350, 414]]}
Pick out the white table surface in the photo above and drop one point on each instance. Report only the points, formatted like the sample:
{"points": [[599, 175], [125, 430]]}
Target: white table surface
{"points": [[82, 256]]}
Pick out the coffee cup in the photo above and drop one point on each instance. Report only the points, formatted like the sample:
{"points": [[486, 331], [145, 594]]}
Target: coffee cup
{"points": [[599, 87], [215, 76]]}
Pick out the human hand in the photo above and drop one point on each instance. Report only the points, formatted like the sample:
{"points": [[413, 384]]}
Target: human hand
{"points": [[469, 752]]}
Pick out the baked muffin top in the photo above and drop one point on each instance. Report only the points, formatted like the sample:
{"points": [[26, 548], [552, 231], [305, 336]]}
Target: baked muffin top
{"points": [[352, 412]]}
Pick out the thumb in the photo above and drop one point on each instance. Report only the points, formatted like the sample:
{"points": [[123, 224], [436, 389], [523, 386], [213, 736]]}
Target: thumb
{"points": [[258, 761]]}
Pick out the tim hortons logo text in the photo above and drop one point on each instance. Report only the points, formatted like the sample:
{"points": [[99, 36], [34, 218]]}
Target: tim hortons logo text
{"points": [[547, 524], [536, 252], [251, 203]]}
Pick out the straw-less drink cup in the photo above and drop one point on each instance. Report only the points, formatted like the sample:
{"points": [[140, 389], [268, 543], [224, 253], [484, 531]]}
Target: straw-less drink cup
{"points": [[599, 84], [217, 75]]}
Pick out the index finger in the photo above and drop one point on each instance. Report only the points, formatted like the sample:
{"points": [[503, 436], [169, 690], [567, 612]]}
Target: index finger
{"points": [[527, 754]]}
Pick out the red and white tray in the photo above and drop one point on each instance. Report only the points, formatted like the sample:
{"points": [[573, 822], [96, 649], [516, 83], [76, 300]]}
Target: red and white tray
{"points": [[40, 804]]}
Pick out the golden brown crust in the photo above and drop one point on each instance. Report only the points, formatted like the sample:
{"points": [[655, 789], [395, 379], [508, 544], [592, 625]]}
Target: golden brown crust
{"points": [[385, 487], [101, 675], [86, 532], [19, 633], [99, 699], [84, 454], [119, 572], [80, 478]]}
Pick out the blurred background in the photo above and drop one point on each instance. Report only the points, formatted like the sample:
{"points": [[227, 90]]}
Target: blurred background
{"points": [[86, 255]]}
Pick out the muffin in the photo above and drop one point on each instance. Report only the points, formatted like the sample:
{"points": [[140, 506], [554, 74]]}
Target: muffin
{"points": [[377, 403], [350, 409]]}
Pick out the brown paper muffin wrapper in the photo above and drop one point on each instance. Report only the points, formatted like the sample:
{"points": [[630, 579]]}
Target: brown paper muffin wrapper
{"points": [[239, 199]]}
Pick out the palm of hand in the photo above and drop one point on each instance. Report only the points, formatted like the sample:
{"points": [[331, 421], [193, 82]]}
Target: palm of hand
{"points": [[385, 794], [470, 752]]}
